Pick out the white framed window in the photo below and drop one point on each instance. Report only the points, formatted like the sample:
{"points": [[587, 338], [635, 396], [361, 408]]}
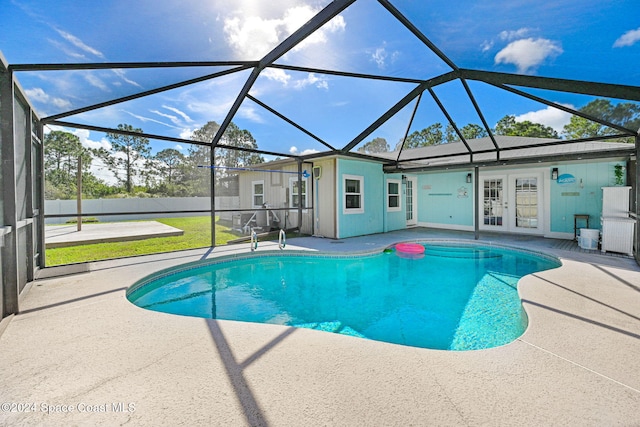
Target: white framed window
{"points": [[393, 195], [353, 187], [297, 196], [257, 193]]}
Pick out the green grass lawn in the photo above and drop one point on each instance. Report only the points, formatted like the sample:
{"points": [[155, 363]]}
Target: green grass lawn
{"points": [[197, 234]]}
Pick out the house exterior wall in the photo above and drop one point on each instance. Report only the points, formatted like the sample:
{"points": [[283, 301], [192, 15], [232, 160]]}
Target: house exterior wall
{"points": [[445, 200], [324, 199], [278, 191], [371, 218], [580, 196], [395, 219]]}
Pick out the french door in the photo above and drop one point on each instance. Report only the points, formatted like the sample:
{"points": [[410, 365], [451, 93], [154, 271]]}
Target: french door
{"points": [[411, 204], [512, 203]]}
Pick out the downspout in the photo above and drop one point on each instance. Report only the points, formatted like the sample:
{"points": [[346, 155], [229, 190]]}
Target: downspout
{"points": [[213, 196], [300, 196], [476, 208]]}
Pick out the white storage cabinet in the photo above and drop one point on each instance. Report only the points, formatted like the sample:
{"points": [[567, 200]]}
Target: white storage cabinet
{"points": [[617, 227]]}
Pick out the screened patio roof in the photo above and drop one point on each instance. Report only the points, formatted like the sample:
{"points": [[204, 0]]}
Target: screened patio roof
{"points": [[428, 88]]}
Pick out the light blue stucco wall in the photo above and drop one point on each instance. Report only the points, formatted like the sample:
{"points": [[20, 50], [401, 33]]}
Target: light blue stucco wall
{"points": [[395, 220], [372, 219], [584, 196], [445, 198]]}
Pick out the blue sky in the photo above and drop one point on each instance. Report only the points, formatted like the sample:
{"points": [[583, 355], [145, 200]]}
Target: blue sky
{"points": [[583, 40]]}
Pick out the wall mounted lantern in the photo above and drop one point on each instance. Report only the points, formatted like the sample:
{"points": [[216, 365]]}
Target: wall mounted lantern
{"points": [[554, 174], [468, 178]]}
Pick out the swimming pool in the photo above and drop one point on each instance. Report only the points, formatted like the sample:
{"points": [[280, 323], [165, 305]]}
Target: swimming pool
{"points": [[453, 296]]}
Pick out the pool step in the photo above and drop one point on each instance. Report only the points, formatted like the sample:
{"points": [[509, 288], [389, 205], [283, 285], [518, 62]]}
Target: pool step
{"points": [[461, 252]]}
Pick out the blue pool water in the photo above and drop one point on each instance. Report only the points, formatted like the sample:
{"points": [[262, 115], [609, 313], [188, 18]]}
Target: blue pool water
{"points": [[454, 297]]}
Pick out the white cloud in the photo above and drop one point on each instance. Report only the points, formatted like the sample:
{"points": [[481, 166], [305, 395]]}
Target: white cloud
{"points": [[179, 147], [147, 119], [79, 43], [298, 16], [84, 136], [627, 39], [186, 133], [486, 45], [505, 36], [549, 116], [382, 57], [174, 119], [122, 74], [96, 82], [66, 49], [252, 37], [39, 95], [211, 99], [514, 35], [312, 79], [277, 75], [250, 113], [294, 150], [99, 170], [379, 56], [526, 54], [182, 114]]}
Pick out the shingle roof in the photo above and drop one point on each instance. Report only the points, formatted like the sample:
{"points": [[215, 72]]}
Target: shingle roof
{"points": [[509, 147]]}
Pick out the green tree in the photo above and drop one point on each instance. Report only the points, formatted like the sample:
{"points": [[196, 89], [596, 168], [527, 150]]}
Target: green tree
{"points": [[241, 138], [473, 131], [61, 153], [94, 188], [126, 158], [508, 126], [623, 114], [431, 135], [165, 173], [233, 137], [469, 131], [196, 179], [376, 145], [168, 162]]}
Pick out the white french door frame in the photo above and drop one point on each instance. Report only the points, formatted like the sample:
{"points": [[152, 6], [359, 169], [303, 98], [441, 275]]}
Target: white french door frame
{"points": [[499, 203], [411, 200]]}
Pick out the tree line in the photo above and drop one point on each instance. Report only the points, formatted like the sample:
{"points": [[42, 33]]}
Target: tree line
{"points": [[623, 114], [168, 173]]}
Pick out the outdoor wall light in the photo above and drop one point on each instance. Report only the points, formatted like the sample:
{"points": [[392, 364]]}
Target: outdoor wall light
{"points": [[554, 174], [404, 179], [468, 178]]}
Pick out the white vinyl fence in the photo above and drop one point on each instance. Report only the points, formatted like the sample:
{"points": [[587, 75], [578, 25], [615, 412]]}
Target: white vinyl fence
{"points": [[132, 206]]}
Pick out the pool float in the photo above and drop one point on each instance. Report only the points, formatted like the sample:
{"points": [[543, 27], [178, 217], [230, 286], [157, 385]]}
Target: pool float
{"points": [[410, 248]]}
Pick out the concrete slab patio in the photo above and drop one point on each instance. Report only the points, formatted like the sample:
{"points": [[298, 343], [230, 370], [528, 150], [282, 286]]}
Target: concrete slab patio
{"points": [[58, 236], [80, 354]]}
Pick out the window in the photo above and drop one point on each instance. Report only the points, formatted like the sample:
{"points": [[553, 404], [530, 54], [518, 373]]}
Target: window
{"points": [[393, 195], [257, 193], [353, 195], [297, 196]]}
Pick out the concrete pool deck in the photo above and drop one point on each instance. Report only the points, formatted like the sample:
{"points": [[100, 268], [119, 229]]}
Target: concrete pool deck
{"points": [[81, 351]]}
